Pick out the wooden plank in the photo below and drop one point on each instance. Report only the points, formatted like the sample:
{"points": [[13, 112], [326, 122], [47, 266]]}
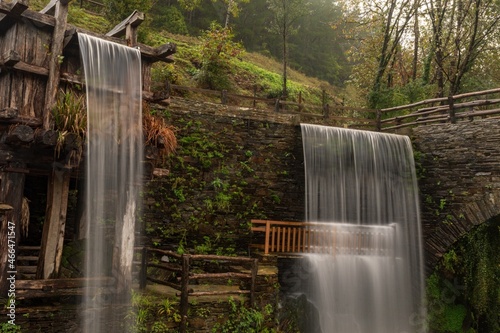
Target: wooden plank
{"points": [[228, 275], [219, 293], [67, 283], [26, 269], [27, 258], [167, 267]]}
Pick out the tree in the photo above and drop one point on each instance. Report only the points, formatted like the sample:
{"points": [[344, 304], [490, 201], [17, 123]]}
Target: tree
{"points": [[233, 9], [395, 15], [217, 49], [284, 23], [462, 31]]}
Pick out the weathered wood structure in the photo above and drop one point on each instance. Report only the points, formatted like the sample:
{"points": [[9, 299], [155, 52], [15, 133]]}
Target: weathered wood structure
{"points": [[39, 57]]}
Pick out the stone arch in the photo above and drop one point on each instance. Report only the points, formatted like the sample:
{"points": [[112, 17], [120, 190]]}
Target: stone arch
{"points": [[439, 240], [460, 181]]}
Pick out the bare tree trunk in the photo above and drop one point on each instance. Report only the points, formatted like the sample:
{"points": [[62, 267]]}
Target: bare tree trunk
{"points": [[416, 32]]}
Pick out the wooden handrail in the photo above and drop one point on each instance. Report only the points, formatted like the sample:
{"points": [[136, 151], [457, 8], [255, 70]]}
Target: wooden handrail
{"points": [[444, 109]]}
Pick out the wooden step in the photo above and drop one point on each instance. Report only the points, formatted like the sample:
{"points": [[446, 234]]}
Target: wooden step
{"points": [[27, 258], [26, 269], [28, 248]]}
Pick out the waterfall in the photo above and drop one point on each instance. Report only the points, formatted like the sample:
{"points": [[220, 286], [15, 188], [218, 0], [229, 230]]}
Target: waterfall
{"points": [[113, 167], [364, 185]]}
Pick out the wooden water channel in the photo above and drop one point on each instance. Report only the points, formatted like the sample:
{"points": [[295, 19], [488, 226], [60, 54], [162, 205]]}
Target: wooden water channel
{"points": [[282, 237]]}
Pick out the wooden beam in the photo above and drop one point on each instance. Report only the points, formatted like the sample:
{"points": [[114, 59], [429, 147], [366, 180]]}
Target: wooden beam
{"points": [[13, 15], [18, 134], [38, 19], [56, 50], [165, 50], [10, 58], [55, 223], [8, 113]]}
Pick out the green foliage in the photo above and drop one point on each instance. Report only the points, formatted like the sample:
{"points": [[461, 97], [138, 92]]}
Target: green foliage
{"points": [[151, 314], [83, 19], [9, 328], [168, 18], [70, 117], [243, 319], [216, 50], [118, 10], [465, 285]]}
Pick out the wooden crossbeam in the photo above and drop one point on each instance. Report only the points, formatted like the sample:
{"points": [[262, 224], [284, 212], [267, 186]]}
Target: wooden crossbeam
{"points": [[134, 20]]}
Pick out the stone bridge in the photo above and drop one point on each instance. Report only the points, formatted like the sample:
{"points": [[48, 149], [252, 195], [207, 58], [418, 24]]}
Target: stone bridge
{"points": [[459, 170]]}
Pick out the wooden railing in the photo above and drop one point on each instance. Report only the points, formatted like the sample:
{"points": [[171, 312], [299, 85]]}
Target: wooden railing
{"points": [[330, 238], [480, 104], [181, 274]]}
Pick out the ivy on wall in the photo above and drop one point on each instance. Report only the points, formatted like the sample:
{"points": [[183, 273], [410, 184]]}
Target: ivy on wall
{"points": [[219, 180], [464, 291]]}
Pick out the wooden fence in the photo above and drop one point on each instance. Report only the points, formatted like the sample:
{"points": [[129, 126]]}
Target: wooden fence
{"points": [[469, 106], [330, 238], [180, 271], [348, 116]]}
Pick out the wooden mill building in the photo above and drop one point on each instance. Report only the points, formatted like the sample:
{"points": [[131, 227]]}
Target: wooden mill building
{"points": [[39, 59]]}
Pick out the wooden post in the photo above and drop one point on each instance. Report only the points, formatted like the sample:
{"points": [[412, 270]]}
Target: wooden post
{"points": [[255, 270], [11, 194], [56, 50], [266, 244], [379, 120], [254, 95], [144, 269], [55, 223], [223, 97], [184, 306], [451, 106], [326, 111], [300, 101]]}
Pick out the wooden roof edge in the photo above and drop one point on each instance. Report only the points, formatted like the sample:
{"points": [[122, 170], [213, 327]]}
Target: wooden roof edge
{"points": [[153, 54], [134, 20], [51, 6]]}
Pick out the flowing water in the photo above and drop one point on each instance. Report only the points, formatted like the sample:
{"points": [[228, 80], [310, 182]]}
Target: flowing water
{"points": [[363, 185], [113, 167]]}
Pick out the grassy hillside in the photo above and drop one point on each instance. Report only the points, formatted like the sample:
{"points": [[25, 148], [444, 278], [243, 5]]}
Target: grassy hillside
{"points": [[248, 71]]}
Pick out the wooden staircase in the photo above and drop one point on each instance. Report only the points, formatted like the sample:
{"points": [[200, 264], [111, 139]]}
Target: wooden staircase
{"points": [[27, 262]]}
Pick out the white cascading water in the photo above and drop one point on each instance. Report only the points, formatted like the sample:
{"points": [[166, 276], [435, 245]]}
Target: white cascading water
{"points": [[363, 184], [113, 168]]}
